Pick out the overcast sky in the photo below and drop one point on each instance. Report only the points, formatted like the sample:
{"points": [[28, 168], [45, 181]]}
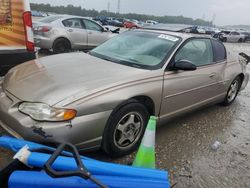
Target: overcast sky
{"points": [[225, 12]]}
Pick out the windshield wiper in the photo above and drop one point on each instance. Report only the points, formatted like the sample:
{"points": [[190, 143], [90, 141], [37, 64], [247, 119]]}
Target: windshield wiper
{"points": [[131, 62], [134, 61], [102, 57]]}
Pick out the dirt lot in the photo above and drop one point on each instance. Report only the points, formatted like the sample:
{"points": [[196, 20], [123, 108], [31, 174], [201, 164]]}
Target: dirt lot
{"points": [[183, 146]]}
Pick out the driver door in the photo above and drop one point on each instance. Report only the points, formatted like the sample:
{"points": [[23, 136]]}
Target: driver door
{"points": [[187, 90]]}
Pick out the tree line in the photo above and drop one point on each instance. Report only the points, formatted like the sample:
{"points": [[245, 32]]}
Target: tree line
{"points": [[79, 11]]}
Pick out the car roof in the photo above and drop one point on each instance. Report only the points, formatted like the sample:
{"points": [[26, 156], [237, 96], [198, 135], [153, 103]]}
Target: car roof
{"points": [[169, 27], [66, 16], [174, 29]]}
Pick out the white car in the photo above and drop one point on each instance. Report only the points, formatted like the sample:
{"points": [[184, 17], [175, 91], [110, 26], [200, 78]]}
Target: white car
{"points": [[151, 22], [232, 37], [201, 30]]}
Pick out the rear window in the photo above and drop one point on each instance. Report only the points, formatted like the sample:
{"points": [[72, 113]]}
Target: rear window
{"points": [[219, 51], [49, 19]]}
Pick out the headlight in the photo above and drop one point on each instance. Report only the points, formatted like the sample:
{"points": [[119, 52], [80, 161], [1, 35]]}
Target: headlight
{"points": [[44, 112]]}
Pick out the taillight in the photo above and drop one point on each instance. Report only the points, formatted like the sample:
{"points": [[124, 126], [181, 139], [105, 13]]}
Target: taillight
{"points": [[29, 38], [42, 29]]}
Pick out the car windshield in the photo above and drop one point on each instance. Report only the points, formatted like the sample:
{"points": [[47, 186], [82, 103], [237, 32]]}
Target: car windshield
{"points": [[140, 49], [49, 19]]}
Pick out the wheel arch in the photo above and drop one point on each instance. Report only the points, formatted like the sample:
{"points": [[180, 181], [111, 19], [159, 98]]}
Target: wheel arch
{"points": [[147, 102], [242, 77]]}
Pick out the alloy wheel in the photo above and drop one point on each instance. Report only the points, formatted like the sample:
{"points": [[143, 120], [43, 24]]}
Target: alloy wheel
{"points": [[128, 130], [232, 93]]}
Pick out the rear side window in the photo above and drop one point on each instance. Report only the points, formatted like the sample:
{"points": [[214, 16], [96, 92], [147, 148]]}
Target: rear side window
{"points": [[73, 23], [219, 51]]}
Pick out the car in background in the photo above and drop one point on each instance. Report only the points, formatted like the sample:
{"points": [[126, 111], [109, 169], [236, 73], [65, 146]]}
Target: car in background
{"points": [[233, 36], [219, 35], [151, 22], [198, 30], [131, 24], [101, 20], [122, 20], [114, 22], [63, 33], [246, 36], [211, 30], [140, 24], [215, 32], [103, 99], [38, 13], [16, 35]]}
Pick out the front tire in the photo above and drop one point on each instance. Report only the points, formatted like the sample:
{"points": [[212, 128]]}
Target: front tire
{"points": [[232, 92], [125, 129]]}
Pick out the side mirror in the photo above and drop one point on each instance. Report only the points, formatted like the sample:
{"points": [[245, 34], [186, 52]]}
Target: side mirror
{"points": [[106, 29], [184, 65], [116, 30]]}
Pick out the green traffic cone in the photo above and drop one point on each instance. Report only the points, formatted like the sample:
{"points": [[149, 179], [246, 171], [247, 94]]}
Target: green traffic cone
{"points": [[145, 156]]}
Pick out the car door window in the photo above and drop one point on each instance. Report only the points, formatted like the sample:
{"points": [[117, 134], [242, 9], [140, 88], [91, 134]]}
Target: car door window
{"points": [[73, 23], [235, 33], [197, 51], [92, 26]]}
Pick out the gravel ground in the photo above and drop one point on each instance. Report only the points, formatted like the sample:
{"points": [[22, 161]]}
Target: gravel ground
{"points": [[183, 146]]}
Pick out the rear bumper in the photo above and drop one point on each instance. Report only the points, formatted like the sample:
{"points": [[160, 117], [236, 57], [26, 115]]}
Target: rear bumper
{"points": [[11, 58], [43, 42]]}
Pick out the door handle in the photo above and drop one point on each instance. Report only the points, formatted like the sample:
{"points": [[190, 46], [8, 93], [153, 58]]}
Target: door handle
{"points": [[90, 32], [212, 75], [70, 30]]}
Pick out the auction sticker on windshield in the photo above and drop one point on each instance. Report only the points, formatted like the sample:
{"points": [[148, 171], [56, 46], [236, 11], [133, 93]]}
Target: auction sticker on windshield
{"points": [[167, 37]]}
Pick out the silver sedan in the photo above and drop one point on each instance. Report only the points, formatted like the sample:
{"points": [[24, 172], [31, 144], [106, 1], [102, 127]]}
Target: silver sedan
{"points": [[104, 99], [232, 37], [63, 33]]}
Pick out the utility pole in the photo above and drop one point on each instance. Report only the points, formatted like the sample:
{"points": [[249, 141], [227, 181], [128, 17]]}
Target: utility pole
{"points": [[214, 17], [108, 7], [204, 17], [119, 6]]}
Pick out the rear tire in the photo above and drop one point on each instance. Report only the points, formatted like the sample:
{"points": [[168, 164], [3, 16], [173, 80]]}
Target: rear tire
{"points": [[233, 91], [61, 45], [240, 40], [125, 129]]}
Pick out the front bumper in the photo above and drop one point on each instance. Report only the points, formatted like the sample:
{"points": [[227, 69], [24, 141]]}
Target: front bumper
{"points": [[43, 42], [84, 131]]}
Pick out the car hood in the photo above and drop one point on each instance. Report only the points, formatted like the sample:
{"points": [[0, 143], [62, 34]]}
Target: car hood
{"points": [[55, 78]]}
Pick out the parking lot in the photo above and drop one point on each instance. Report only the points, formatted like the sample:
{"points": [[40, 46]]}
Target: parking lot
{"points": [[183, 146]]}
